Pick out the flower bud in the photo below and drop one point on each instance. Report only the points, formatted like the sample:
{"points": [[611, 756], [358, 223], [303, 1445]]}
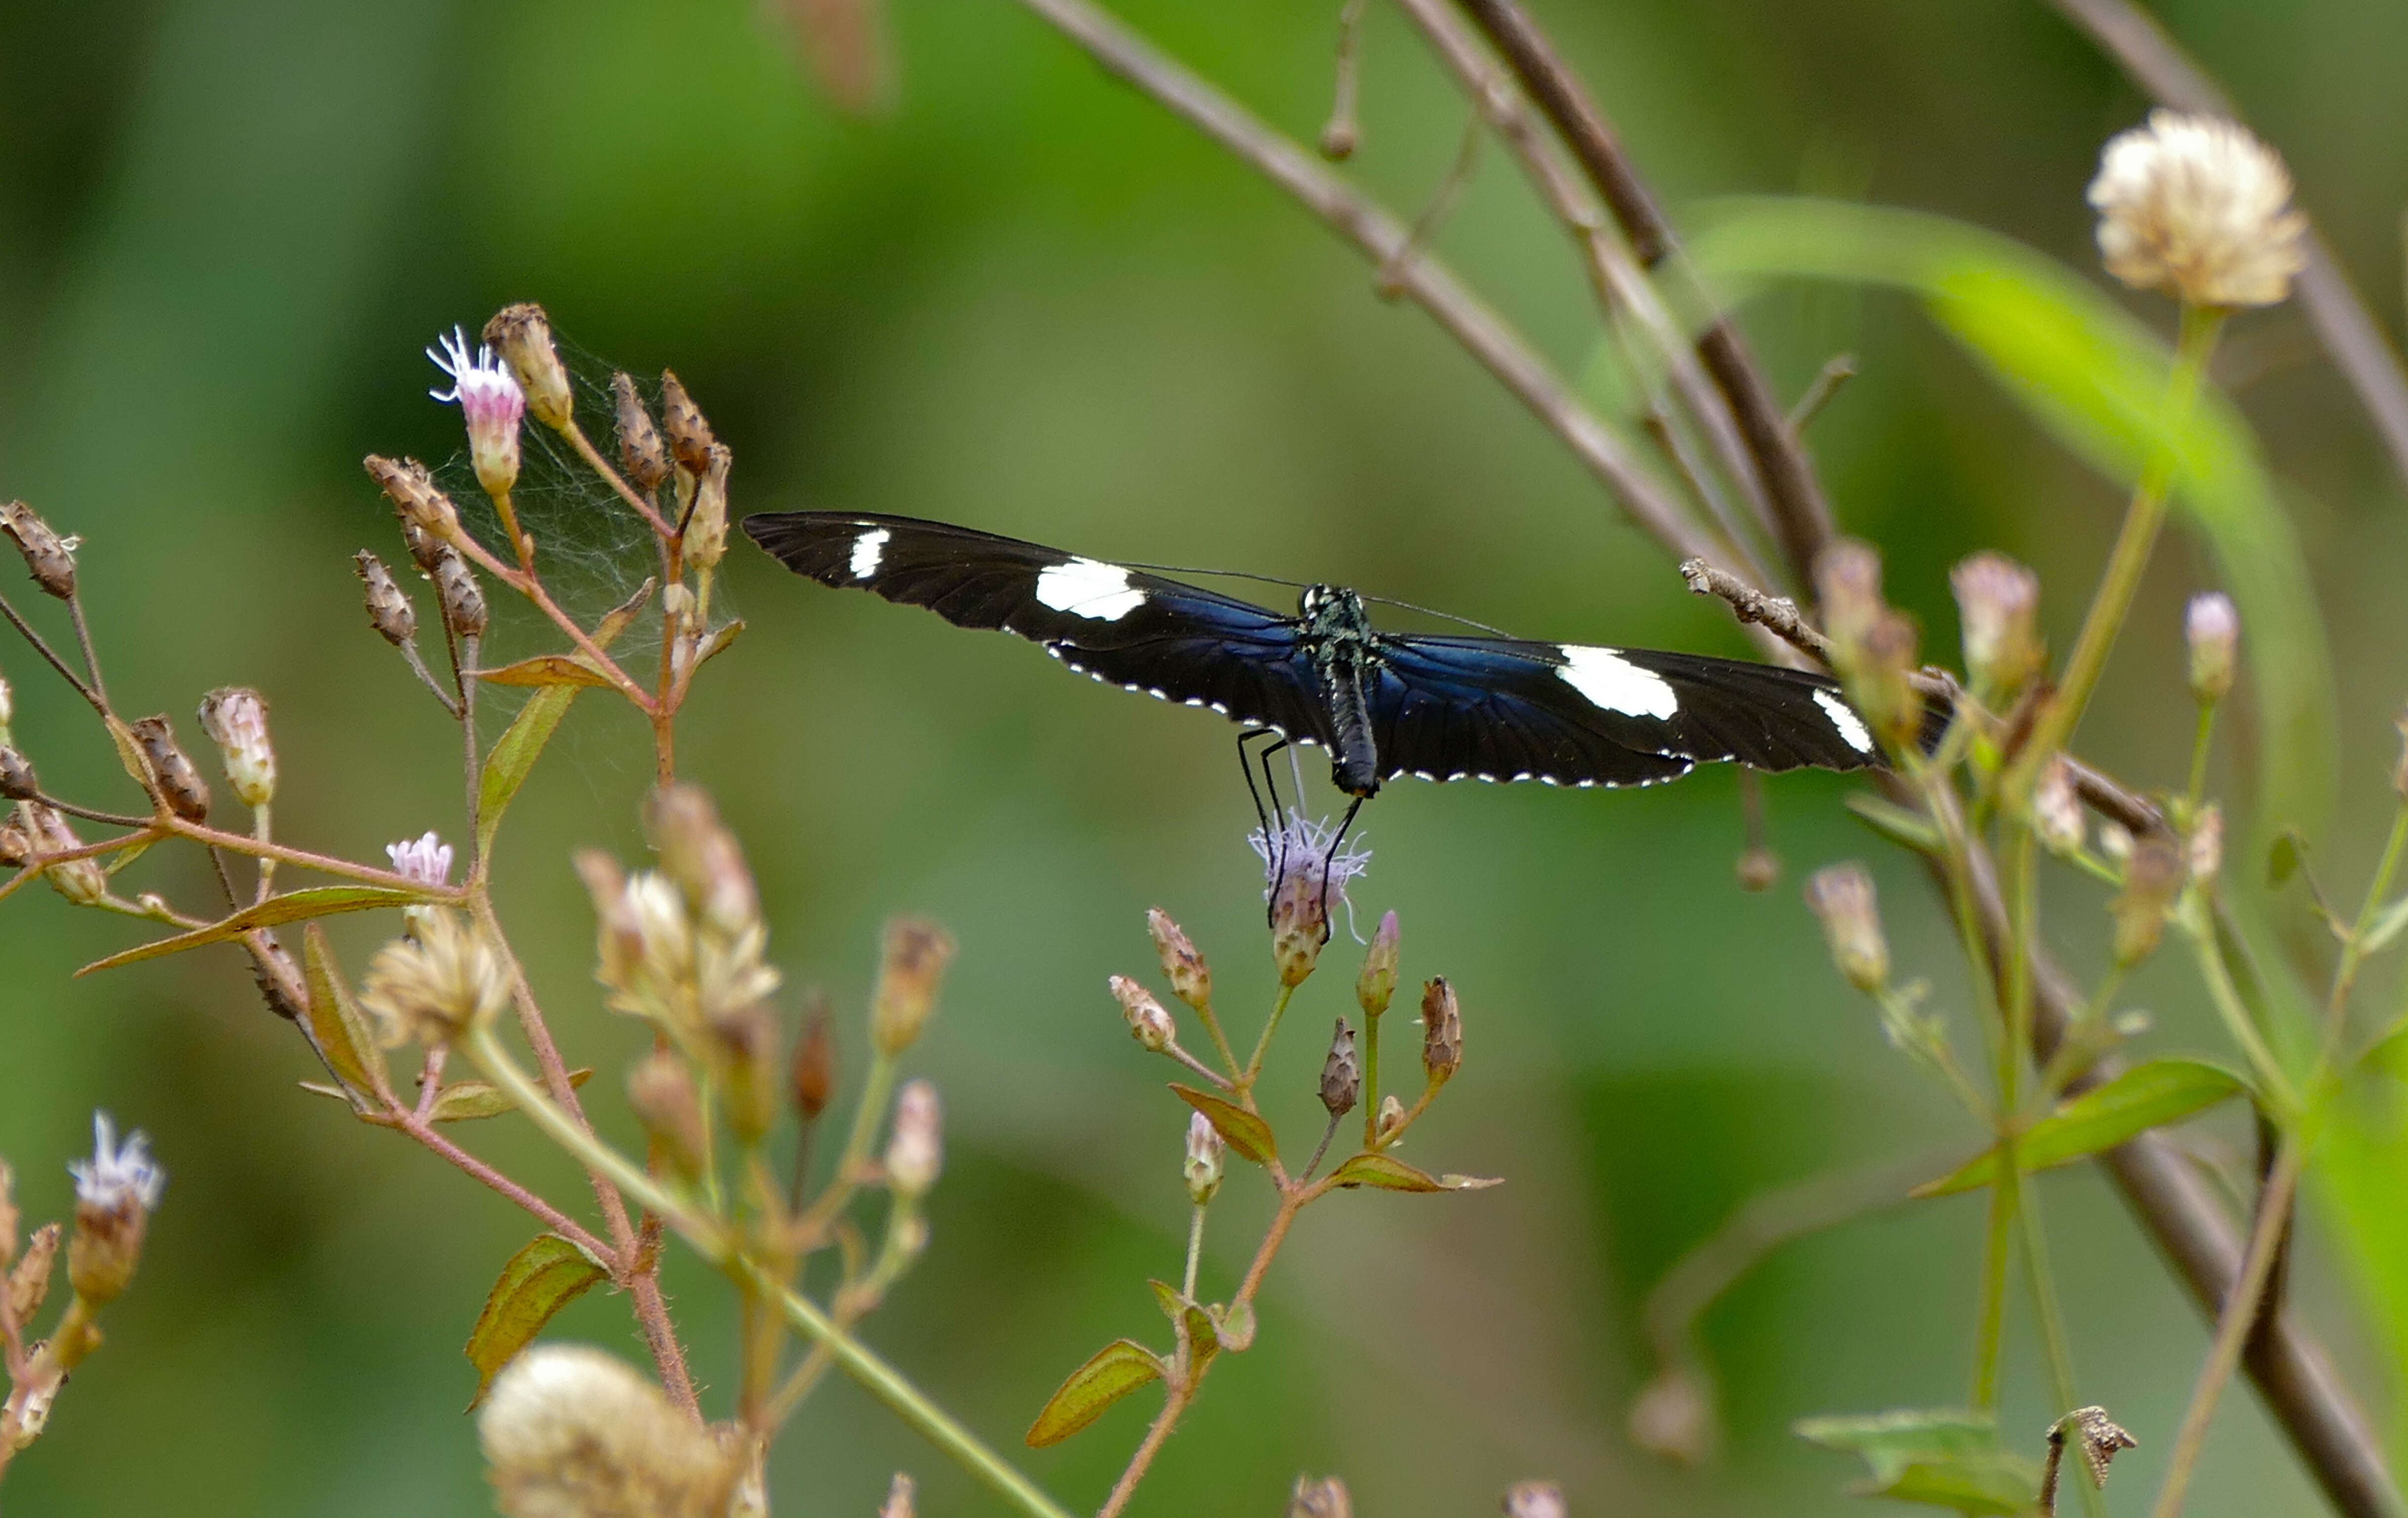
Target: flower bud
{"points": [[29, 1284], [420, 505], [1342, 1073], [2153, 876], [1872, 645], [661, 1093], [235, 720], [2195, 207], [50, 558], [2211, 629], [389, 609], [1674, 1417], [457, 592], [916, 954], [426, 858], [706, 524], [744, 1037], [2205, 852], [1149, 1022], [1391, 1117], [640, 453], [810, 1077], [491, 402], [279, 979], [901, 1498], [1377, 983], [80, 881], [180, 784], [699, 852], [1183, 965], [572, 1432], [1842, 895], [915, 1153], [1998, 607], [1441, 1032], [1326, 1497], [1759, 869], [445, 980], [17, 781], [2056, 810], [1203, 1167], [15, 844], [690, 439], [522, 336], [115, 1190], [1535, 1499]]}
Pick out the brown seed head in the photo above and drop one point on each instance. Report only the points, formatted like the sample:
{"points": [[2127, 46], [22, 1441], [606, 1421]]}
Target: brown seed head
{"points": [[30, 1282], [572, 1432], [1998, 608], [640, 453], [1149, 1021], [2153, 877], [661, 1091], [522, 334], [1342, 1073], [916, 954], [180, 784], [810, 1079], [1376, 986], [1323, 1498], [235, 719], [457, 592], [1842, 896], [420, 505], [50, 558], [1183, 964], [389, 611], [80, 881], [1442, 1031], [706, 524], [17, 779], [690, 439], [915, 1153], [278, 979], [2098, 1439]]}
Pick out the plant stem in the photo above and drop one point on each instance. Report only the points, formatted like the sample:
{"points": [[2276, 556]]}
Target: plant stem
{"points": [[1195, 1253], [1997, 1246], [1263, 1044]]}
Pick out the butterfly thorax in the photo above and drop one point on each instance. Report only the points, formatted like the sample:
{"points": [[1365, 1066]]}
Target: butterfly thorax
{"points": [[1344, 644]]}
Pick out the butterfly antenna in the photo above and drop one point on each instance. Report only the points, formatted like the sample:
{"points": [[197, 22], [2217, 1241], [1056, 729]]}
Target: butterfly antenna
{"points": [[1443, 616], [1224, 575]]}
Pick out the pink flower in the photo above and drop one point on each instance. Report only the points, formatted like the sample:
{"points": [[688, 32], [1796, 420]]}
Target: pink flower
{"points": [[493, 403]]}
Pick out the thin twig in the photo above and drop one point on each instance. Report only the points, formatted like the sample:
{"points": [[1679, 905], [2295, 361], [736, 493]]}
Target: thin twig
{"points": [[110, 819], [50, 656], [1834, 372]]}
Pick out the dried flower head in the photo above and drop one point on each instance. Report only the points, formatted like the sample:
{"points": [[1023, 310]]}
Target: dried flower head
{"points": [[456, 592], [810, 1077], [82, 881], [1323, 1498], [490, 401], [2153, 877], [427, 859], [640, 453], [2098, 1436], [115, 1190], [17, 781], [49, 557], [912, 969], [389, 611], [1203, 1165], [2212, 631], [2196, 206], [1149, 1021], [180, 785], [2056, 810], [1342, 1073], [705, 523], [915, 1152], [1376, 986], [1441, 1032], [523, 335], [1303, 871], [1842, 896], [1182, 963], [447, 978], [29, 1284], [235, 720], [690, 439], [1535, 1499], [1998, 607], [570, 1432], [418, 502]]}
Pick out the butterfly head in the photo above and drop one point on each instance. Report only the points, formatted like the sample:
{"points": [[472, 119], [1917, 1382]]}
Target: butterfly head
{"points": [[1332, 612]]}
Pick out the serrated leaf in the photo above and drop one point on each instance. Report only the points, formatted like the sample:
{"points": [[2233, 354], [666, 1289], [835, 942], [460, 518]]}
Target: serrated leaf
{"points": [[1117, 1369], [1245, 1132], [1944, 1458], [539, 1280], [1234, 1322], [513, 757], [547, 669], [1895, 822], [2143, 1097], [335, 1020], [464, 1099], [293, 907], [1387, 1172]]}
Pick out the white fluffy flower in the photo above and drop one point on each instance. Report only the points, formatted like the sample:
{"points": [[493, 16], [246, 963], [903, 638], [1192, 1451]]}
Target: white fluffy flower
{"points": [[2197, 205], [117, 1174]]}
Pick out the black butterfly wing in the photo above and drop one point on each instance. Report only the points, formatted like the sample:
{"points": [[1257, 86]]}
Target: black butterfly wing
{"points": [[1443, 708], [1170, 639]]}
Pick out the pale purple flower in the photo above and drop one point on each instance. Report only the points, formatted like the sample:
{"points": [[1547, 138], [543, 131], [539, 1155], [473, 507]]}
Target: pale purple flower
{"points": [[489, 397], [117, 1174], [427, 859], [1299, 865]]}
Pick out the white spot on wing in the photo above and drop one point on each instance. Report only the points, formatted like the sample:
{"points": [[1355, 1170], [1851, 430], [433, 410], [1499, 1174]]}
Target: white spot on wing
{"points": [[1617, 685], [1851, 725], [868, 550], [1089, 588]]}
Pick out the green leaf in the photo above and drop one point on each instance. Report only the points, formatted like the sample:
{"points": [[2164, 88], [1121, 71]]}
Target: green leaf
{"points": [[1203, 1337], [2143, 1097], [1387, 1172], [1234, 1322], [2283, 858], [718, 641], [513, 756], [2095, 377], [539, 1280], [1249, 1135], [1943, 1458], [2385, 928], [293, 907], [1168, 1297], [1118, 1369], [1894, 822], [335, 1020], [547, 669], [464, 1099]]}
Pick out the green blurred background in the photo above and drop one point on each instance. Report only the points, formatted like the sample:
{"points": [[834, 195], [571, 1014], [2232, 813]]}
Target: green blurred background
{"points": [[1024, 299]]}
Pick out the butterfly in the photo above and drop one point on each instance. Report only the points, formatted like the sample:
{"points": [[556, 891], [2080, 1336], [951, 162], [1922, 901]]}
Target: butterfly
{"points": [[1436, 707]]}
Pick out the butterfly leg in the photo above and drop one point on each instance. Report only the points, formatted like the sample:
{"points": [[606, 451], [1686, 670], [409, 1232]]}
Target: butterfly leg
{"points": [[1274, 824], [1327, 859]]}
